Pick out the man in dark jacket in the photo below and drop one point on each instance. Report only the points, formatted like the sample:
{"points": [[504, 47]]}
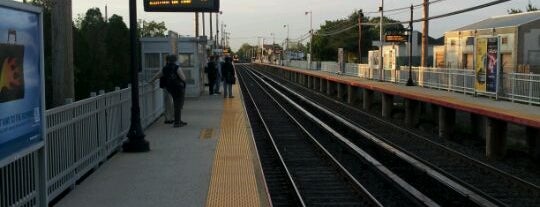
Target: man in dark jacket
{"points": [[211, 72], [228, 77], [174, 80]]}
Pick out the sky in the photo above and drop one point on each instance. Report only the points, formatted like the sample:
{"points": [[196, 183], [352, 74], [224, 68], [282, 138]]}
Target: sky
{"points": [[246, 20]]}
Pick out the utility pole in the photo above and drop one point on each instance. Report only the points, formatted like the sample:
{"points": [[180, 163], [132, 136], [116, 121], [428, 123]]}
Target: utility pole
{"points": [[381, 36], [425, 35], [62, 52], [217, 29], [203, 25], [211, 26], [360, 16], [410, 80], [136, 141], [310, 33], [196, 24]]}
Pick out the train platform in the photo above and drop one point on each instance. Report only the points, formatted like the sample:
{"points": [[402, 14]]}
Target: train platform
{"points": [[209, 162], [488, 118], [517, 113]]}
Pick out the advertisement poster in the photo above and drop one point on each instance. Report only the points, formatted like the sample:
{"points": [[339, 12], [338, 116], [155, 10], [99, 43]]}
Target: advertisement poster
{"points": [[492, 64], [480, 64], [21, 106]]}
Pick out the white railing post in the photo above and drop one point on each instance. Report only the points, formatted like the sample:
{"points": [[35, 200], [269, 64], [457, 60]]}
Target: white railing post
{"points": [[531, 88]]}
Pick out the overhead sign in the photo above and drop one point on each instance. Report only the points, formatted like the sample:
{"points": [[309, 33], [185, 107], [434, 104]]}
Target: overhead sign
{"points": [[181, 5], [396, 38], [21, 78]]}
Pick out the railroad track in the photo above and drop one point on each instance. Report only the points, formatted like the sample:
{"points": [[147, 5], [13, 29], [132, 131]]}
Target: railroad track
{"points": [[493, 185], [393, 180], [298, 175]]}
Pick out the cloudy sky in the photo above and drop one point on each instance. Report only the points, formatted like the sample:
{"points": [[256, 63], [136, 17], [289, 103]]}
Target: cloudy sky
{"points": [[247, 19]]}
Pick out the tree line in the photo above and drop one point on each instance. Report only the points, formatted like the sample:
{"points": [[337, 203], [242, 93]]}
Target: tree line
{"points": [[101, 50]]}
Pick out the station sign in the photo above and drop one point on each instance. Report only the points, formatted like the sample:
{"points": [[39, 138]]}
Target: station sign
{"points": [[22, 102], [181, 5], [396, 38]]}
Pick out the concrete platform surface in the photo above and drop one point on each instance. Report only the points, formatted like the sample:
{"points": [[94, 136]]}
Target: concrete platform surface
{"points": [[176, 172]]}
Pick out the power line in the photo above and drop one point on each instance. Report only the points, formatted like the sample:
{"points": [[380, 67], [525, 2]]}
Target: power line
{"points": [[419, 20]]}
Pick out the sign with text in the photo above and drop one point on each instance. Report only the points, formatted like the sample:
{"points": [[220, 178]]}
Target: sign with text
{"points": [[487, 65], [396, 38], [21, 80], [181, 5]]}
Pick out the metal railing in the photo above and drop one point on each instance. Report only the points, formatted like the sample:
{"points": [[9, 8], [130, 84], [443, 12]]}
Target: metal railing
{"points": [[515, 87], [80, 136]]}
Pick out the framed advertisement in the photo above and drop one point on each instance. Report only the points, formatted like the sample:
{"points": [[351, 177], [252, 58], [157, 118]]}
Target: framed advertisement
{"points": [[22, 94]]}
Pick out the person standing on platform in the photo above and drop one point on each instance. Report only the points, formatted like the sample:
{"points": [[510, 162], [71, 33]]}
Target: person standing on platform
{"points": [[228, 77], [219, 64], [211, 72], [172, 78], [168, 114]]}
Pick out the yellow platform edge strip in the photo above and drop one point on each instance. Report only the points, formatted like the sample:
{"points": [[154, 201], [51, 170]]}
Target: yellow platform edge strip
{"points": [[233, 181]]}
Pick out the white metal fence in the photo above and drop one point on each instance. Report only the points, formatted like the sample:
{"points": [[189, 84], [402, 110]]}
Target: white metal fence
{"points": [[515, 87], [80, 136]]}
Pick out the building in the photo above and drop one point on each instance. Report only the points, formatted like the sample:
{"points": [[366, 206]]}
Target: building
{"points": [[192, 55], [519, 40], [397, 54]]}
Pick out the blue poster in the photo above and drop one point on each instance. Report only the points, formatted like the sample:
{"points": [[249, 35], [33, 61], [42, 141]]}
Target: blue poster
{"points": [[21, 105], [491, 64]]}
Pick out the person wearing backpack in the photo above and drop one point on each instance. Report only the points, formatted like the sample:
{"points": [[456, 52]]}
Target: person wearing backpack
{"points": [[172, 78]]}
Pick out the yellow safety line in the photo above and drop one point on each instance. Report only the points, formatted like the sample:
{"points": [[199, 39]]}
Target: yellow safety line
{"points": [[233, 181]]}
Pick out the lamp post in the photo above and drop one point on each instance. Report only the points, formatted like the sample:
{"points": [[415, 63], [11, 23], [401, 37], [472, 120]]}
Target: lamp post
{"points": [[381, 32], [310, 12], [136, 141], [273, 46], [217, 29], [287, 40], [410, 80]]}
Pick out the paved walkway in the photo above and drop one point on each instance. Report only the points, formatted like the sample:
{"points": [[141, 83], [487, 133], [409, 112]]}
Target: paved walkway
{"points": [[176, 172]]}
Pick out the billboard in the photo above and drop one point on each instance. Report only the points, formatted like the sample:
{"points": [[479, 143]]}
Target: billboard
{"points": [[480, 64], [492, 64], [181, 5], [487, 65], [21, 79]]}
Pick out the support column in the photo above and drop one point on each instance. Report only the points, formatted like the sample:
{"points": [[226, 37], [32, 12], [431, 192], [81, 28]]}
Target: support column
{"points": [[478, 126], [495, 138], [387, 105], [351, 94], [367, 99], [309, 82], [340, 91], [412, 113], [323, 85], [329, 87], [447, 121], [533, 141], [316, 84]]}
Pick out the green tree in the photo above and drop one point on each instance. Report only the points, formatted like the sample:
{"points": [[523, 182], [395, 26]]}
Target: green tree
{"points": [[118, 51], [151, 28], [92, 66], [334, 35], [529, 8], [244, 51]]}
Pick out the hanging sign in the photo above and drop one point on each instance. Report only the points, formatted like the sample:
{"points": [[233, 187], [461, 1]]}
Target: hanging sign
{"points": [[181, 5]]}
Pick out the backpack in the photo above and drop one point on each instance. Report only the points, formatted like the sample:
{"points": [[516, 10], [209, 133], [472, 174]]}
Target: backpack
{"points": [[170, 78]]}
